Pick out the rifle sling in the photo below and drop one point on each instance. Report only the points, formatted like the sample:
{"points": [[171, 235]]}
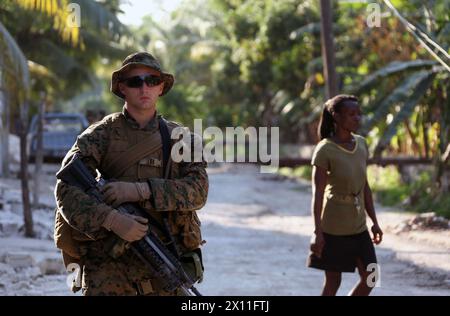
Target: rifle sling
{"points": [[166, 148]]}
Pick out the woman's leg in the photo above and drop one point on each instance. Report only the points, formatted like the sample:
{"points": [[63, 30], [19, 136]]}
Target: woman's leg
{"points": [[362, 288], [332, 283]]}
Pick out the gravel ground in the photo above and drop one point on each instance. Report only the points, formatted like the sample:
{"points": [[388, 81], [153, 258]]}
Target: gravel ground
{"points": [[258, 229]]}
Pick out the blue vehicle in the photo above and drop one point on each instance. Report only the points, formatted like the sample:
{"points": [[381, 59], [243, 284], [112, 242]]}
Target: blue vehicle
{"points": [[60, 130]]}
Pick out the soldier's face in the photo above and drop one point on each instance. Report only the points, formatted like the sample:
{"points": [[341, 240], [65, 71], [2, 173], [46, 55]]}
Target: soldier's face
{"points": [[143, 96]]}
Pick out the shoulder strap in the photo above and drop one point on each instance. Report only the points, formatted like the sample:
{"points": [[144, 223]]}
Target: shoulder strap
{"points": [[166, 148], [166, 145]]}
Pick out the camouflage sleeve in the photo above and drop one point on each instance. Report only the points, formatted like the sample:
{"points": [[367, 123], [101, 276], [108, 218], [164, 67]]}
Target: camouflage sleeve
{"points": [[187, 193], [79, 209]]}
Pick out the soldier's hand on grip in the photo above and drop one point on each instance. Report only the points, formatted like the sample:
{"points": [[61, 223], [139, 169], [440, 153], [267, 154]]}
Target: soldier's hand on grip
{"points": [[116, 193], [128, 227]]}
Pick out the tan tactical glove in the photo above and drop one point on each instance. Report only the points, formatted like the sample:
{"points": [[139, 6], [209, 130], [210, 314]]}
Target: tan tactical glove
{"points": [[127, 227], [116, 193]]}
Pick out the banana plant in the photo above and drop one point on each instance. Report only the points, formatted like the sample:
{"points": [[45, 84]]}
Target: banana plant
{"points": [[417, 82], [402, 100]]}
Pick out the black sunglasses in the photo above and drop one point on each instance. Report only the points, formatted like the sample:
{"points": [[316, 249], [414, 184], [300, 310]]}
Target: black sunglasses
{"points": [[138, 81]]}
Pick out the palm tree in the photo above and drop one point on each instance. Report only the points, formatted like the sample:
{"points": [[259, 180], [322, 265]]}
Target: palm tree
{"points": [[62, 51]]}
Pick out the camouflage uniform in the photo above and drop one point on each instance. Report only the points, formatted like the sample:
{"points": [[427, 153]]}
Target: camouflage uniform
{"points": [[185, 192]]}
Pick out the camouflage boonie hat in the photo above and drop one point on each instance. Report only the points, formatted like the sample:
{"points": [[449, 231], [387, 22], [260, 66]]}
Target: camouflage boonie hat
{"points": [[142, 59]]}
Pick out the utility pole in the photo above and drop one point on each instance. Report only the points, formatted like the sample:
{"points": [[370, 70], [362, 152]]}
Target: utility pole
{"points": [[326, 35]]}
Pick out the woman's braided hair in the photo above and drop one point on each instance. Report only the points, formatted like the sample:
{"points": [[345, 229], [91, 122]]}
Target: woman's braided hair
{"points": [[334, 105]]}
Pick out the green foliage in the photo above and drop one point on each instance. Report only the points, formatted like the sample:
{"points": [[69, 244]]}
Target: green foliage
{"points": [[184, 104], [255, 51], [393, 68], [425, 198], [302, 172], [405, 112], [418, 196], [257, 62], [401, 93], [387, 185], [391, 93], [64, 69], [14, 68]]}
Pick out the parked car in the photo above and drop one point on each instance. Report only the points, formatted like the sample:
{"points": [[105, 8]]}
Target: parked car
{"points": [[60, 130]]}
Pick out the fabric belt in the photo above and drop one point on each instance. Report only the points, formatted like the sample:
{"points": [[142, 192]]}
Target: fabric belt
{"points": [[346, 198]]}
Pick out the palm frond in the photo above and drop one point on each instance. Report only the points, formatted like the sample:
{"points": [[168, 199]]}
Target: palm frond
{"points": [[392, 68], [40, 71], [56, 59], [12, 59], [315, 65], [56, 9], [104, 46], [280, 101], [101, 18], [400, 94], [92, 12], [310, 28]]}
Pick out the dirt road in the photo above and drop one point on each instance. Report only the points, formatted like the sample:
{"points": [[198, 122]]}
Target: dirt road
{"points": [[258, 230]]}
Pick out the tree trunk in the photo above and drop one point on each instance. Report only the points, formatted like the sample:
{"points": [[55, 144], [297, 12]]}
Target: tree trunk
{"points": [[426, 142], [4, 134], [268, 113], [445, 172], [444, 144], [326, 36], [39, 153], [27, 215]]}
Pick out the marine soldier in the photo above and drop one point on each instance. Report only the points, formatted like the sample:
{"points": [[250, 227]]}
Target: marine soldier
{"points": [[83, 226]]}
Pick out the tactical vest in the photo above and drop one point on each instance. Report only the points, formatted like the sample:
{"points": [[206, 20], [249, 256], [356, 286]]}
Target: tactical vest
{"points": [[122, 137], [183, 225]]}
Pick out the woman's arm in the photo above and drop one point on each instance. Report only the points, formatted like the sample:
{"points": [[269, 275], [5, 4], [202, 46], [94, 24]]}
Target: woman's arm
{"points": [[370, 209], [319, 181]]}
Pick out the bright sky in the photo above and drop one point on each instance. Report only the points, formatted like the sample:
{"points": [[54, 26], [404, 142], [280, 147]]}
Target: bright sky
{"points": [[136, 9]]}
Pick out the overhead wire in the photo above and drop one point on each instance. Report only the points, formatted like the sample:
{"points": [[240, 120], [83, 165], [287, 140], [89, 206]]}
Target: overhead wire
{"points": [[420, 36]]}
